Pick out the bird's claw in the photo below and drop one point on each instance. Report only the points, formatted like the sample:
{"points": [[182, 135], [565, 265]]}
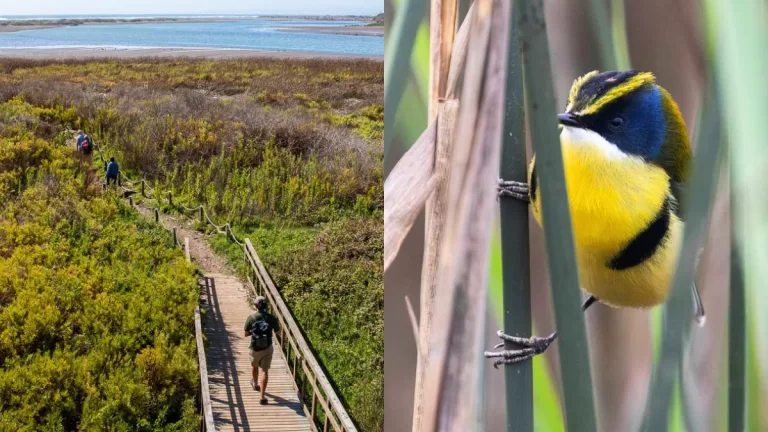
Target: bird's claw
{"points": [[513, 189], [533, 346]]}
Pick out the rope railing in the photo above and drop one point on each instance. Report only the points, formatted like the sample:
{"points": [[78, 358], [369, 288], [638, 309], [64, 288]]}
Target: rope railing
{"points": [[225, 229], [318, 398]]}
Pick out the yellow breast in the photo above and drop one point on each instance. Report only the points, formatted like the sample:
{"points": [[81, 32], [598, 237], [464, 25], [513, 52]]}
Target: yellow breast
{"points": [[613, 197]]}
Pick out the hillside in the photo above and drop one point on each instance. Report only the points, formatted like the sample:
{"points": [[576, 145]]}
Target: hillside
{"points": [[96, 307], [288, 151]]}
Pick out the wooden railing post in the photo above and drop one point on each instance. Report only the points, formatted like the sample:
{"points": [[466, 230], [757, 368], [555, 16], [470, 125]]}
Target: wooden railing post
{"points": [[130, 201], [142, 189], [157, 215], [314, 402], [175, 239], [295, 365], [202, 214], [170, 198]]}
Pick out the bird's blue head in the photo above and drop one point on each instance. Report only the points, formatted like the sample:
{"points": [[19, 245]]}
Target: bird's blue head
{"points": [[634, 114]]}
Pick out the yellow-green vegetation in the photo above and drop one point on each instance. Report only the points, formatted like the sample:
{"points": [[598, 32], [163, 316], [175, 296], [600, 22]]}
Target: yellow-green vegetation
{"points": [[289, 151], [96, 307]]}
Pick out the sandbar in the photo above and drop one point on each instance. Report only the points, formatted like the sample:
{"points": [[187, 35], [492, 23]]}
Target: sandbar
{"points": [[18, 28], [340, 30]]}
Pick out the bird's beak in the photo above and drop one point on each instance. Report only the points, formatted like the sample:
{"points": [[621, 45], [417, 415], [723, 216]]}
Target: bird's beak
{"points": [[568, 119]]}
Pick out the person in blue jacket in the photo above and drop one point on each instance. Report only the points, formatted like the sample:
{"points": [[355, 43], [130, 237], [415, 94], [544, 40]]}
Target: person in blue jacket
{"points": [[112, 171]]}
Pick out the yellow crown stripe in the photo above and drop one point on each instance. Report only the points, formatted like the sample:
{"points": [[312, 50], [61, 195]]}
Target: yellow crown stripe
{"points": [[577, 83], [620, 90]]}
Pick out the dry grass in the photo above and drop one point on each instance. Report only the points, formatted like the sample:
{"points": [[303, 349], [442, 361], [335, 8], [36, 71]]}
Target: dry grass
{"points": [[161, 117]]}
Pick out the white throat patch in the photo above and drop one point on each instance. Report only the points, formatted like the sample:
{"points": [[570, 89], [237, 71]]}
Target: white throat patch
{"points": [[585, 137]]}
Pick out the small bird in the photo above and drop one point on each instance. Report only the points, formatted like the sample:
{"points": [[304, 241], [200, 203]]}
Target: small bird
{"points": [[626, 156]]}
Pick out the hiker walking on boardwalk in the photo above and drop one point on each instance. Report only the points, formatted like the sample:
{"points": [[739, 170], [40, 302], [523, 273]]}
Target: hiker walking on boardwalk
{"points": [[259, 327], [112, 171]]}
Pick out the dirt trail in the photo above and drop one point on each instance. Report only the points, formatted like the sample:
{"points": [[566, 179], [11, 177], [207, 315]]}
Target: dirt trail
{"points": [[199, 249]]}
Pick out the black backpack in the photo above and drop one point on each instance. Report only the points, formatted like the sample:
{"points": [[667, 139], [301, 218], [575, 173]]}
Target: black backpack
{"points": [[261, 334]]}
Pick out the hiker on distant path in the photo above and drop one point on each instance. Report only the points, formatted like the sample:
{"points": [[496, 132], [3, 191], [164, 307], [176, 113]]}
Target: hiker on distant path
{"points": [[259, 327], [84, 143], [112, 171]]}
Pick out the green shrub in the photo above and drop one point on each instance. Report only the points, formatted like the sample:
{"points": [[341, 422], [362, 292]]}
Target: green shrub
{"points": [[96, 322]]}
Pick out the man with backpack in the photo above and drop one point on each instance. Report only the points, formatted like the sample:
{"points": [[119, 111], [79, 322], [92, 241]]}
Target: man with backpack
{"points": [[259, 327], [84, 143]]}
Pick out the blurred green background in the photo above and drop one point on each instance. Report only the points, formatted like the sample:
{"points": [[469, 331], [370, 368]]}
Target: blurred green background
{"points": [[672, 39]]}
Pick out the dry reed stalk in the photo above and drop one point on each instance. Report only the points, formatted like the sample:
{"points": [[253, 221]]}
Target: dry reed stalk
{"points": [[410, 182], [442, 34], [435, 212], [452, 381], [442, 31]]}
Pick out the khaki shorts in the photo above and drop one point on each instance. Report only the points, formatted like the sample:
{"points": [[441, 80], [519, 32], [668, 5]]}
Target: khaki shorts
{"points": [[263, 358]]}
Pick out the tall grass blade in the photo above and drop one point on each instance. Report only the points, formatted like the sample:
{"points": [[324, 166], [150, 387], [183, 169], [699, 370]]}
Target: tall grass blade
{"points": [[619, 44], [678, 312], [601, 23], [406, 23], [737, 334], [741, 34], [514, 240], [574, 359]]}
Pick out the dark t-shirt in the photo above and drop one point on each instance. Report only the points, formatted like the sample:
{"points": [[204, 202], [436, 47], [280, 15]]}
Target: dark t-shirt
{"points": [[271, 320]]}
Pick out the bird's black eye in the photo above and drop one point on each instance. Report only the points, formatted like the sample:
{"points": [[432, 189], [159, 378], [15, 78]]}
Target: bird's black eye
{"points": [[617, 123]]}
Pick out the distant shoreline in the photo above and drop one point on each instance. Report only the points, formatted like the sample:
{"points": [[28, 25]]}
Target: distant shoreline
{"points": [[20, 25], [12, 26], [123, 53]]}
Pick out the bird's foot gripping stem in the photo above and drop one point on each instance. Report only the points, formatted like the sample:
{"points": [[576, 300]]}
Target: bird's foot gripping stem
{"points": [[513, 189], [533, 346]]}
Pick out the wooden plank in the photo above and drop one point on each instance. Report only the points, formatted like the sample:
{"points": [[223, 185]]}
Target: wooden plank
{"points": [[314, 366]]}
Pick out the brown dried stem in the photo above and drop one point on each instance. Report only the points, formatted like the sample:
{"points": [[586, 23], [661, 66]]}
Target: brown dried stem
{"points": [[451, 381]]}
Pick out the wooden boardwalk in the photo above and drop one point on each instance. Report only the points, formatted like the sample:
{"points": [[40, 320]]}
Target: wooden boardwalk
{"points": [[235, 404]]}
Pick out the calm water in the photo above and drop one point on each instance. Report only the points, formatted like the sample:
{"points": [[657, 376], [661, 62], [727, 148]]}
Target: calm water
{"points": [[246, 34]]}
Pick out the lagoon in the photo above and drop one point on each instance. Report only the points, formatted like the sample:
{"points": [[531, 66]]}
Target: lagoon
{"points": [[245, 34]]}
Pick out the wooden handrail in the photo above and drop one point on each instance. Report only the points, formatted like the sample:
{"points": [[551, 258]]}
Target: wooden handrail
{"points": [[205, 392], [334, 409]]}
